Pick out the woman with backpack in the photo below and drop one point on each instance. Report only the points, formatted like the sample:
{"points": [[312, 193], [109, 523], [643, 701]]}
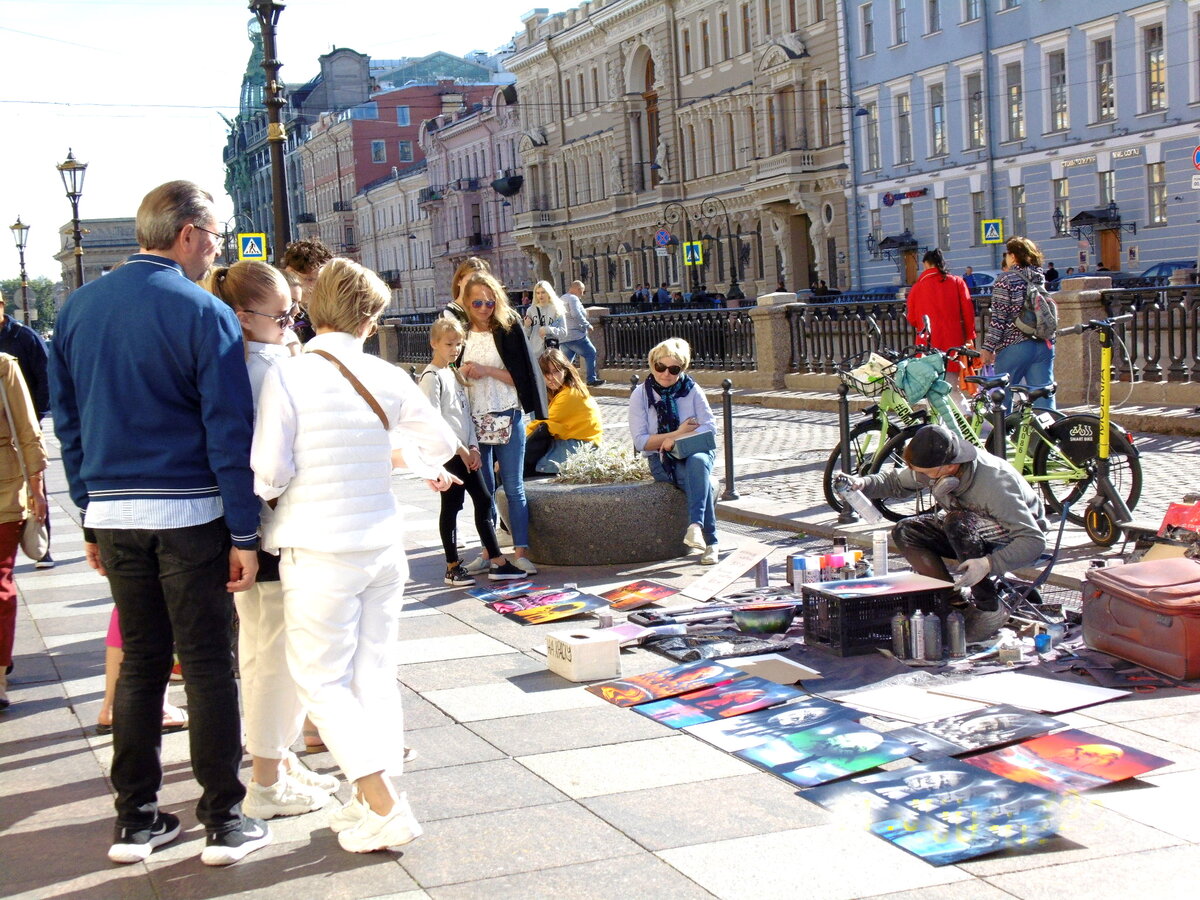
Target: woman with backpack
{"points": [[1012, 343]]}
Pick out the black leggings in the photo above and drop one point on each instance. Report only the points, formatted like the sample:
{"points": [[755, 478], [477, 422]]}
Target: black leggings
{"points": [[452, 504]]}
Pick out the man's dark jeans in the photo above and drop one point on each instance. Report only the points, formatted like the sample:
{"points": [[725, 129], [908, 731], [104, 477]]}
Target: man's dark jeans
{"points": [[169, 587], [926, 539]]}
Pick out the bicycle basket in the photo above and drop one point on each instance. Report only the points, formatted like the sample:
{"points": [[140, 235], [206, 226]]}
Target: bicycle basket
{"points": [[867, 372]]}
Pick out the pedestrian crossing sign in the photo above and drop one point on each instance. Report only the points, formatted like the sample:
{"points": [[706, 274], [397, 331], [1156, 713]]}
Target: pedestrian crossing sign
{"points": [[991, 231], [693, 253], [252, 246]]}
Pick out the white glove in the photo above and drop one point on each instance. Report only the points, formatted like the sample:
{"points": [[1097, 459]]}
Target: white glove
{"points": [[853, 482], [971, 572]]}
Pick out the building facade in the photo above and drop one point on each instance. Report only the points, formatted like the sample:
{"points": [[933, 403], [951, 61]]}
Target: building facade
{"points": [[106, 244], [1074, 124], [717, 125], [396, 238]]}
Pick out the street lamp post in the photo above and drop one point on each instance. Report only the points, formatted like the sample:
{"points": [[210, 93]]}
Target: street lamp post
{"points": [[267, 12], [21, 235], [72, 172], [672, 213], [708, 208]]}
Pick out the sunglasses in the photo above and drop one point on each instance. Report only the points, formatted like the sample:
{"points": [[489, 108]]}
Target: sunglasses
{"points": [[674, 370], [481, 303], [283, 320]]}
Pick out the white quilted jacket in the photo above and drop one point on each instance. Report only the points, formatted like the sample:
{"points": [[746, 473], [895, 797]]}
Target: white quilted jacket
{"points": [[323, 452]]}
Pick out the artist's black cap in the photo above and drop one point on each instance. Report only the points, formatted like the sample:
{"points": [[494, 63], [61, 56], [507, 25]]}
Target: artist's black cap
{"points": [[936, 445]]}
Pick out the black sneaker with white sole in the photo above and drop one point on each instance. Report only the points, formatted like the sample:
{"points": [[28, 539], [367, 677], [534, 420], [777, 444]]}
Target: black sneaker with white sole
{"points": [[457, 576], [132, 845], [224, 848], [506, 572]]}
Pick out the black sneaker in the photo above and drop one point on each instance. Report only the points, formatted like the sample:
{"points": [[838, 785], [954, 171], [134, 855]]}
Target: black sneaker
{"points": [[596, 382], [506, 572], [132, 845], [46, 562], [457, 576], [224, 848]]}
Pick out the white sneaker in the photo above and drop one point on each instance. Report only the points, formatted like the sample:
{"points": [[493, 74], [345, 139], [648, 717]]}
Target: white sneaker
{"points": [[710, 555], [286, 797], [348, 816], [523, 563], [478, 567], [693, 537], [376, 832], [307, 777]]}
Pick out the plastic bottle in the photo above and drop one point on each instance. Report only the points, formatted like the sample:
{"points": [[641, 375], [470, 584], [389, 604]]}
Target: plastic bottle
{"points": [[917, 631], [933, 637], [956, 634], [900, 635], [879, 552], [859, 503]]}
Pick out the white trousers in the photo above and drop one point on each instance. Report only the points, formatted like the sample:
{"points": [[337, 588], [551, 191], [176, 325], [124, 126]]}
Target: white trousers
{"points": [[272, 714], [342, 621]]}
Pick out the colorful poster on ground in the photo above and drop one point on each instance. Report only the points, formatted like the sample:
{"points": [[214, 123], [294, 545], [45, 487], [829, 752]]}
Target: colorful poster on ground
{"points": [[564, 605], [760, 727], [529, 601], [721, 702], [989, 727], [1066, 761], [502, 589], [665, 683], [637, 593], [945, 811], [825, 752]]}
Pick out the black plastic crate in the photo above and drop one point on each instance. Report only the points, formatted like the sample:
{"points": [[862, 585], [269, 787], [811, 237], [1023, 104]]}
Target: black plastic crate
{"points": [[850, 618]]}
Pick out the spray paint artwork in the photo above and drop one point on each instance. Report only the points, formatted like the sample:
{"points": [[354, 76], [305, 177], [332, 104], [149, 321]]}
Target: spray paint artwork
{"points": [[825, 752], [1070, 760], [719, 702], [759, 727], [636, 594], [988, 727], [945, 811], [549, 607], [665, 683]]}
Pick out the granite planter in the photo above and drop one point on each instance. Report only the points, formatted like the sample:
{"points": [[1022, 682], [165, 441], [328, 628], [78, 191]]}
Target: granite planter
{"points": [[603, 524]]}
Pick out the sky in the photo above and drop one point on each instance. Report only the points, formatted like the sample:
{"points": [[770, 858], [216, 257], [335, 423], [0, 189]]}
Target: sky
{"points": [[136, 89]]}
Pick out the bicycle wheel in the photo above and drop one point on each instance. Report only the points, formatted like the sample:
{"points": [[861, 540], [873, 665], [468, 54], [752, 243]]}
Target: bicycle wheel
{"points": [[891, 457], [1070, 445], [866, 440]]}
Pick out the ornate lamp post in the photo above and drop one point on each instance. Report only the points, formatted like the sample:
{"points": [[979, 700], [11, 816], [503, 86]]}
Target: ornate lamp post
{"points": [[21, 235], [708, 209], [267, 12], [72, 172]]}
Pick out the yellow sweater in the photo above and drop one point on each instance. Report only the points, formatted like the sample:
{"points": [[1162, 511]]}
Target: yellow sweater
{"points": [[574, 415]]}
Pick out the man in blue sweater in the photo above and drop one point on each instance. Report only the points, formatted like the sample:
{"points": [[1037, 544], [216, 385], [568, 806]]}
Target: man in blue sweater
{"points": [[153, 410]]}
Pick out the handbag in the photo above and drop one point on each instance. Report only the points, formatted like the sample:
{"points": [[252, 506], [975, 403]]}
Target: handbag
{"points": [[35, 535], [694, 443], [493, 428]]}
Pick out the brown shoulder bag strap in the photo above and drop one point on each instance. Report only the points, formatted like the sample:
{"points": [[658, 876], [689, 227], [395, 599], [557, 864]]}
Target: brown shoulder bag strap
{"points": [[358, 386]]}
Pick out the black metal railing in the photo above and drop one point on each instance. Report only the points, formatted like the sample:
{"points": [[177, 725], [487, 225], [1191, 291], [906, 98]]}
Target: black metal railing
{"points": [[721, 339], [412, 344], [824, 334], [1163, 338]]}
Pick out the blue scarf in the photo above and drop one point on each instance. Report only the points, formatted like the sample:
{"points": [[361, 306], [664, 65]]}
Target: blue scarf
{"points": [[666, 405]]}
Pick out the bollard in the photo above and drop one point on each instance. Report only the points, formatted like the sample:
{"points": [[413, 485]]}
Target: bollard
{"points": [[727, 404], [847, 515], [633, 383], [999, 444]]}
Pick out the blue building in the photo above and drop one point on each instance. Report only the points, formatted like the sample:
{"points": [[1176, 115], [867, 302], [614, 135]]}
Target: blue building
{"points": [[1074, 123]]}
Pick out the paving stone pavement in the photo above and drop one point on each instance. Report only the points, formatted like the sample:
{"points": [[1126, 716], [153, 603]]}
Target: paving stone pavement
{"points": [[531, 787]]}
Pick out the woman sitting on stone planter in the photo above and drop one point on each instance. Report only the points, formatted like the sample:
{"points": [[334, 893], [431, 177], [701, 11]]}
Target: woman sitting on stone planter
{"points": [[573, 421], [668, 406]]}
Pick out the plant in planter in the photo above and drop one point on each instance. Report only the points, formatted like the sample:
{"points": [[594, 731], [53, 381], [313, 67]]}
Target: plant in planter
{"points": [[603, 508]]}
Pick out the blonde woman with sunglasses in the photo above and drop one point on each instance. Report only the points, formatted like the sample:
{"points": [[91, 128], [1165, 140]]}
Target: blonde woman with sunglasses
{"points": [[665, 407]]}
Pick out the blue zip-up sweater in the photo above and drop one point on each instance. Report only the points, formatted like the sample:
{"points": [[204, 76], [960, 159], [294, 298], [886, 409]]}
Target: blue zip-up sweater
{"points": [[150, 393]]}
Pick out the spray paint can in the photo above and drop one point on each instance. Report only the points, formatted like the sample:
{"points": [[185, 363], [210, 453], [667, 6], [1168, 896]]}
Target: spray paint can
{"points": [[917, 630], [956, 634], [879, 552], [933, 637], [900, 635]]}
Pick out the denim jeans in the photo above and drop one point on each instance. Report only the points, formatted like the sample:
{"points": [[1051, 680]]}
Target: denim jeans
{"points": [[694, 476], [511, 457], [1029, 363], [169, 587], [585, 348]]}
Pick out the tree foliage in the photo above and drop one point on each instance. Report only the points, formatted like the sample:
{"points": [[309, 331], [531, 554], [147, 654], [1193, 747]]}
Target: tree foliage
{"points": [[41, 299]]}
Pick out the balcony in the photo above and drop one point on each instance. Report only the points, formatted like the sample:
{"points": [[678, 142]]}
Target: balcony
{"points": [[343, 206], [786, 164], [306, 219], [466, 185], [391, 277], [429, 195]]}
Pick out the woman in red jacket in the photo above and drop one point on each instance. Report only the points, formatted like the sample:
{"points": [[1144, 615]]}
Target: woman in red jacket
{"points": [[945, 299]]}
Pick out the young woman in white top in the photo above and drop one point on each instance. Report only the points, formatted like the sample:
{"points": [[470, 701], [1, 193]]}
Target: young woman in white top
{"points": [[323, 451], [273, 716], [545, 319]]}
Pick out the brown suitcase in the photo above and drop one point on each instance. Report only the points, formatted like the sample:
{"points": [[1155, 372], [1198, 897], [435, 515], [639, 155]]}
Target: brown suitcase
{"points": [[1147, 613]]}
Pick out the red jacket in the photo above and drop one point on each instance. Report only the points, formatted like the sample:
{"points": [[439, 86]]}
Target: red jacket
{"points": [[949, 307]]}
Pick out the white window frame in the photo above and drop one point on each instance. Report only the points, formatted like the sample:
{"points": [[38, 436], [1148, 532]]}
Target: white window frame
{"points": [[934, 150], [1047, 45], [378, 151], [1143, 70], [932, 27], [903, 125], [966, 11], [967, 68], [899, 22], [1104, 29], [403, 115], [866, 29]]}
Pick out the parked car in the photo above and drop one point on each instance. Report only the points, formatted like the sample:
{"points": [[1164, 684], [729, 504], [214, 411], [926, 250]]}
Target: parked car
{"points": [[1152, 276]]}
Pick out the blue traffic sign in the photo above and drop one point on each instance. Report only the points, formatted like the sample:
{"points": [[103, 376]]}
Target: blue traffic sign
{"points": [[662, 237], [1196, 157], [252, 246]]}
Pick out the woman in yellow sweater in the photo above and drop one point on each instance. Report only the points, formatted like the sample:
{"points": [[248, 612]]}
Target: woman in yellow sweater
{"points": [[573, 419]]}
